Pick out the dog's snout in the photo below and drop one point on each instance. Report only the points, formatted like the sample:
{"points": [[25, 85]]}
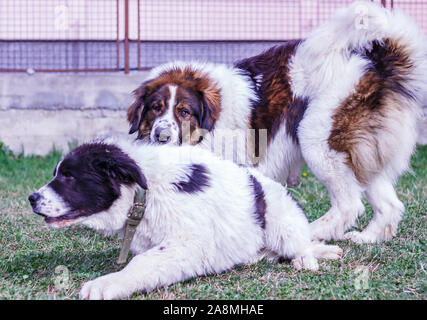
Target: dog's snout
{"points": [[33, 198], [163, 135]]}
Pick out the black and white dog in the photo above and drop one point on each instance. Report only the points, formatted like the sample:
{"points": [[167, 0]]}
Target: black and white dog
{"points": [[203, 215]]}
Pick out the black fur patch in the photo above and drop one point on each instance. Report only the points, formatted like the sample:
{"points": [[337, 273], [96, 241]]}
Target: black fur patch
{"points": [[198, 179], [392, 64], [294, 115], [89, 178], [260, 204]]}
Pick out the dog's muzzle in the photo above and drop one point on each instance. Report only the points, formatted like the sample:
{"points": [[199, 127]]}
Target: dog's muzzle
{"points": [[33, 199], [162, 135]]}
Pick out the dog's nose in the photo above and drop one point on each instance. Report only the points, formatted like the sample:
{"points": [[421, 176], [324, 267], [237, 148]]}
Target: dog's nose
{"points": [[162, 135], [33, 198]]}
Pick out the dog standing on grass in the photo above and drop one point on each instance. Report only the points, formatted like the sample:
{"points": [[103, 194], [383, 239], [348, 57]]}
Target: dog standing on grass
{"points": [[346, 100], [203, 215]]}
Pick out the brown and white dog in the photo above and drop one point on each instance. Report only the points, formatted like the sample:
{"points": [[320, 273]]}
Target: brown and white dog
{"points": [[345, 100]]}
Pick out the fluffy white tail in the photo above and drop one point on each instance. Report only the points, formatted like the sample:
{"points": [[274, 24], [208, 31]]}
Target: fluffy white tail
{"points": [[363, 24]]}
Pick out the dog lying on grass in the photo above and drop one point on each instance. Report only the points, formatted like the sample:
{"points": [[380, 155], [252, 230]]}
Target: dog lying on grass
{"points": [[203, 215]]}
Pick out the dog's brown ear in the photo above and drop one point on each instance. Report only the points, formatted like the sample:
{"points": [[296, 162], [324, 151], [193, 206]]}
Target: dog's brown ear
{"points": [[135, 112], [134, 115], [211, 105]]}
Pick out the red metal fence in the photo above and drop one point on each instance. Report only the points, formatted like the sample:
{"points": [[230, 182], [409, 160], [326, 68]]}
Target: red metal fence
{"points": [[113, 35], [61, 35]]}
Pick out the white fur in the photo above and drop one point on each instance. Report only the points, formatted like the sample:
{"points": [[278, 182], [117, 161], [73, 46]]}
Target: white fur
{"points": [[167, 121], [212, 230], [283, 158], [50, 203]]}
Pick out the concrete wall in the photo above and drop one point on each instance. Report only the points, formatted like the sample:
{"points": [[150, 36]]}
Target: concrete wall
{"points": [[40, 111], [43, 110]]}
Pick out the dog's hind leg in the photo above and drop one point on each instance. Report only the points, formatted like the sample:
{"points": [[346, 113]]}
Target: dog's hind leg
{"points": [[346, 206], [388, 211], [287, 231], [344, 190], [326, 251], [315, 251]]}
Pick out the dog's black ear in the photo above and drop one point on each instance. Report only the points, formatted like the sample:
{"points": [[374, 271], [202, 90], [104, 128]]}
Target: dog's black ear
{"points": [[121, 169], [129, 172], [136, 111]]}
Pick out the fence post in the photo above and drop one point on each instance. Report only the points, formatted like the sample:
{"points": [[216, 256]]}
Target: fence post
{"points": [[138, 41], [117, 35], [126, 36]]}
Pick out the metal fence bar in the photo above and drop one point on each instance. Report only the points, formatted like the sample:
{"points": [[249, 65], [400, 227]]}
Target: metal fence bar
{"points": [[138, 58], [59, 36], [117, 35], [126, 40]]}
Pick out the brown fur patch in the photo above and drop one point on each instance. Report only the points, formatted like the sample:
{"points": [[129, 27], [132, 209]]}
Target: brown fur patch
{"points": [[361, 117], [274, 90], [273, 87], [187, 80]]}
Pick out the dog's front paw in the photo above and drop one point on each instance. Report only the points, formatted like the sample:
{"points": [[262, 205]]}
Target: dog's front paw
{"points": [[107, 287]]}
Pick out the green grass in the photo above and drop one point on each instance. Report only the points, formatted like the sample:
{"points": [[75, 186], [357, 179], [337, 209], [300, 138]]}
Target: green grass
{"points": [[30, 252]]}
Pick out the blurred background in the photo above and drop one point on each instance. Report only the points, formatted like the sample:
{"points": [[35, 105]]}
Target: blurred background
{"points": [[68, 67]]}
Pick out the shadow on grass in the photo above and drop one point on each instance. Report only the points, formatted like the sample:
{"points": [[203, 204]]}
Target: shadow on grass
{"points": [[81, 265]]}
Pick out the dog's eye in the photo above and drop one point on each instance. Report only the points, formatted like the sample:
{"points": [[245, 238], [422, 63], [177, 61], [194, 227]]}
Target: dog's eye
{"points": [[67, 174], [183, 112], [156, 107]]}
